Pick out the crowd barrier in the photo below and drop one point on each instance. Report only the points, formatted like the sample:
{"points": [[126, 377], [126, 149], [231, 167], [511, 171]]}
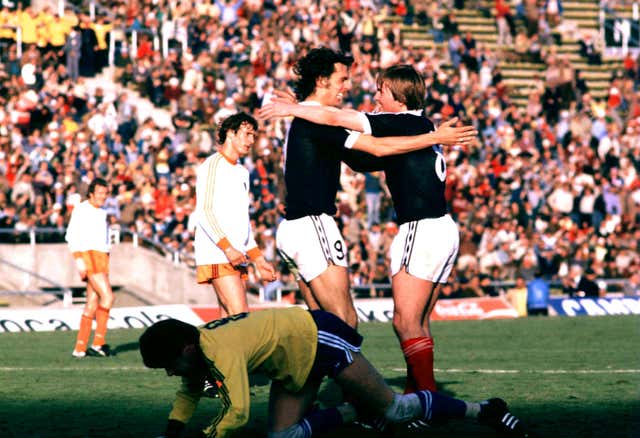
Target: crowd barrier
{"points": [[368, 310]]}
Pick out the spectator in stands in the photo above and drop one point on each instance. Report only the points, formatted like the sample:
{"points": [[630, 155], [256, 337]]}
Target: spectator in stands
{"points": [[537, 296], [88, 47], [503, 23], [373, 188], [437, 27], [553, 10], [587, 285], [588, 50], [632, 285], [521, 46], [72, 51], [517, 296], [450, 24], [456, 49], [50, 95], [285, 281]]}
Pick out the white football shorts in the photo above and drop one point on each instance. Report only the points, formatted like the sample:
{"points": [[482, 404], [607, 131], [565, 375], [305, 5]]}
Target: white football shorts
{"points": [[426, 248], [309, 244]]}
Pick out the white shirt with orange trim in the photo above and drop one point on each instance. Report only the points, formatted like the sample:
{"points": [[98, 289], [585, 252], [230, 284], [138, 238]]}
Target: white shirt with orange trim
{"points": [[222, 209], [87, 229]]}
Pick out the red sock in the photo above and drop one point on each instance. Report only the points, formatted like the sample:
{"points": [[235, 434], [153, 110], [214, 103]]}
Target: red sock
{"points": [[410, 385], [418, 352], [102, 318]]}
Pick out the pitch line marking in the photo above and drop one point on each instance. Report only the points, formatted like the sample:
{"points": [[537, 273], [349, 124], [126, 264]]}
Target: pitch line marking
{"points": [[486, 371], [438, 370], [74, 368]]}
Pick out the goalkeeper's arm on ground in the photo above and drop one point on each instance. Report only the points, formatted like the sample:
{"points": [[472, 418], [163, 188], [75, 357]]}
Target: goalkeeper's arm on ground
{"points": [[174, 429]]}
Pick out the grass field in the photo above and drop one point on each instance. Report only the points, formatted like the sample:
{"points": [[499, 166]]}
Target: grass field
{"points": [[566, 377]]}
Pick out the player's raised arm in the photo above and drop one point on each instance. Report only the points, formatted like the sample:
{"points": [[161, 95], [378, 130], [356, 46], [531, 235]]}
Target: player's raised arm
{"points": [[446, 134], [320, 114]]}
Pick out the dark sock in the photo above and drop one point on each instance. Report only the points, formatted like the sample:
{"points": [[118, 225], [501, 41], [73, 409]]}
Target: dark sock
{"points": [[321, 421], [436, 406]]}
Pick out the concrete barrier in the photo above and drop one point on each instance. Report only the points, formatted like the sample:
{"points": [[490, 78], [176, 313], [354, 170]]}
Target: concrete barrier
{"points": [[156, 279]]}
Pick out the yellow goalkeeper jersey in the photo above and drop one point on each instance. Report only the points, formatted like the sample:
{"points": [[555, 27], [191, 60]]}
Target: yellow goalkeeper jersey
{"points": [[280, 344]]}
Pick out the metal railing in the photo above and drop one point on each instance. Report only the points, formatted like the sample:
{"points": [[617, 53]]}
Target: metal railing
{"points": [[35, 236], [615, 287], [39, 235], [67, 294]]}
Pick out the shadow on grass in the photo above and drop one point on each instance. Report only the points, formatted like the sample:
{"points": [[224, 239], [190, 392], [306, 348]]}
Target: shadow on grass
{"points": [[399, 382], [130, 346], [133, 417]]}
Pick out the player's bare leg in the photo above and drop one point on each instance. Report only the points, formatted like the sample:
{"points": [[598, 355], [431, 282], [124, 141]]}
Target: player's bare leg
{"points": [[307, 296], [331, 291], [100, 283], [232, 295], [287, 408], [366, 384], [414, 300], [293, 414], [91, 303], [362, 379]]}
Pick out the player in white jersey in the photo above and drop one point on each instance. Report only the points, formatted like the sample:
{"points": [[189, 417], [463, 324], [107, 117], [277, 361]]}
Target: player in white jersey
{"points": [[88, 242], [224, 241]]}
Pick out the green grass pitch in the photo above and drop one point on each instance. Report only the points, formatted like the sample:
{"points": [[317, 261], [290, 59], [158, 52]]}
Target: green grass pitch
{"points": [[566, 377]]}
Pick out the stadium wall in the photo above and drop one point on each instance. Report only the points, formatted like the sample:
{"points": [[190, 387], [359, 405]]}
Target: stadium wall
{"points": [[142, 271]]}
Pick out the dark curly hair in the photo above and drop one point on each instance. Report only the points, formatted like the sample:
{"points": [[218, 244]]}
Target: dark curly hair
{"points": [[97, 182], [163, 342], [233, 123], [318, 63]]}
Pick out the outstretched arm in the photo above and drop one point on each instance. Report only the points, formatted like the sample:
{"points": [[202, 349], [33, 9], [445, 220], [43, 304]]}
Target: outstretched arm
{"points": [[446, 134], [322, 115]]}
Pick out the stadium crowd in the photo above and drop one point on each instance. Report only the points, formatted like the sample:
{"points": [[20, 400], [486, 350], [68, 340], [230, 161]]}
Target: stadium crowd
{"points": [[552, 187]]}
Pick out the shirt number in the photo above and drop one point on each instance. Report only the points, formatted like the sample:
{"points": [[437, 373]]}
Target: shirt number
{"points": [[218, 322], [441, 164]]}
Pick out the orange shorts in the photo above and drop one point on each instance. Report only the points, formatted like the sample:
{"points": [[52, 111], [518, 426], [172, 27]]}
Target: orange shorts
{"points": [[96, 262], [206, 273]]}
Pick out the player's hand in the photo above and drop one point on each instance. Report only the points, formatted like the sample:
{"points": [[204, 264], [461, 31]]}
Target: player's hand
{"points": [[284, 96], [235, 257], [265, 269], [82, 268], [450, 135]]}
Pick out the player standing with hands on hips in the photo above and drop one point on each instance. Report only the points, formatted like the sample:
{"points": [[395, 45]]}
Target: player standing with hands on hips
{"points": [[224, 241], [87, 238]]}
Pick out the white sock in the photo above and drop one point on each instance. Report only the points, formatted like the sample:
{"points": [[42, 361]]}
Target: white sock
{"points": [[403, 408], [473, 409]]}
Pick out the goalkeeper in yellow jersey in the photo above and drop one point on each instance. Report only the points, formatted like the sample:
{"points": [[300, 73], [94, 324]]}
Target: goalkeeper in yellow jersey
{"points": [[296, 349]]}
